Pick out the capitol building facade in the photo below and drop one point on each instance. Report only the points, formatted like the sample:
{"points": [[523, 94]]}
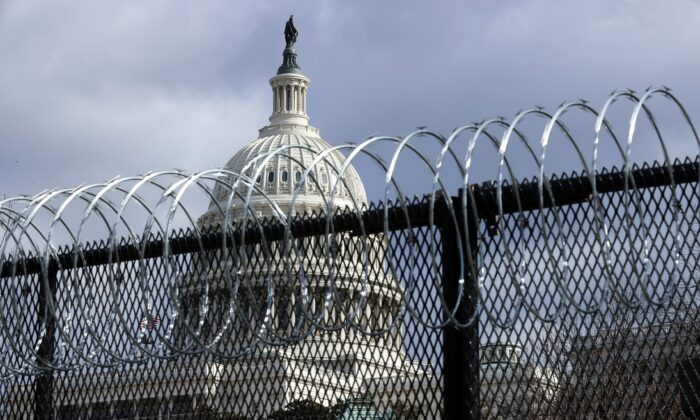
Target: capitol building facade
{"points": [[335, 362]]}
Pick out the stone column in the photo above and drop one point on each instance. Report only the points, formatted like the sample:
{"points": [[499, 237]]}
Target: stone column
{"points": [[296, 98], [303, 100], [284, 98], [300, 108]]}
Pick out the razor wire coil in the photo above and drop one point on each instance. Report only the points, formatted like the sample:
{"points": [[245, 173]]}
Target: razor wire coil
{"points": [[159, 198]]}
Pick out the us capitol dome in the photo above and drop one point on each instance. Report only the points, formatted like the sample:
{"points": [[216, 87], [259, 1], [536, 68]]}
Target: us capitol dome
{"points": [[298, 145]]}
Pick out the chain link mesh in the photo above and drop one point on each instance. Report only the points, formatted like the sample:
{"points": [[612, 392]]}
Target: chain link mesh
{"points": [[587, 309]]}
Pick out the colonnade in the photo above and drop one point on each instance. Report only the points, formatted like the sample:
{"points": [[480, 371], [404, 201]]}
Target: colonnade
{"points": [[289, 98]]}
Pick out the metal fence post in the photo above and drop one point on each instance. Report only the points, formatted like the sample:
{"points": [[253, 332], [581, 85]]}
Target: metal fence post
{"points": [[44, 382], [460, 353]]}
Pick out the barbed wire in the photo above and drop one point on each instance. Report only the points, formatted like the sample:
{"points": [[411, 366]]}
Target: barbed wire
{"points": [[42, 227]]}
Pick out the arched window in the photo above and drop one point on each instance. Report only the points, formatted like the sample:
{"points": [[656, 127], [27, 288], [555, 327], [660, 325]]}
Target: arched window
{"points": [[324, 179], [271, 176], [320, 246], [297, 176], [285, 176], [258, 179]]}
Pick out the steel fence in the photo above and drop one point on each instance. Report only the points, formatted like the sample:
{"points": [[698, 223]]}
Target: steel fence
{"points": [[408, 318], [557, 297]]}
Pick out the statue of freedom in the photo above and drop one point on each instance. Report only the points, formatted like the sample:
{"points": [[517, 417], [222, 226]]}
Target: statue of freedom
{"points": [[290, 32]]}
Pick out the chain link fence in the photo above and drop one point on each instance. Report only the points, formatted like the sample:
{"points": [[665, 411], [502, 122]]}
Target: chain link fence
{"points": [[584, 309], [571, 296]]}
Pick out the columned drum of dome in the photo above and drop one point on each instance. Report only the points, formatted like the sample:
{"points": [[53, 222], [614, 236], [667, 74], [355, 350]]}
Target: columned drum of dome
{"points": [[289, 99]]}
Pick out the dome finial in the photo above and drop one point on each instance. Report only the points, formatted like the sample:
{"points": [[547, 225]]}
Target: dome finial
{"points": [[289, 62], [290, 32]]}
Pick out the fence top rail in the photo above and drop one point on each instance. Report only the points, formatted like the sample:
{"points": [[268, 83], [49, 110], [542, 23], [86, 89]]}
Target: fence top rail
{"points": [[576, 188], [566, 189]]}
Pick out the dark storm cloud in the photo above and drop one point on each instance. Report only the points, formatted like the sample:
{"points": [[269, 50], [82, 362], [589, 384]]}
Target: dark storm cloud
{"points": [[92, 89]]}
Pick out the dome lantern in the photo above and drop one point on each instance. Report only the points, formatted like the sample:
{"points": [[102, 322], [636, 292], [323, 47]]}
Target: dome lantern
{"points": [[289, 86]]}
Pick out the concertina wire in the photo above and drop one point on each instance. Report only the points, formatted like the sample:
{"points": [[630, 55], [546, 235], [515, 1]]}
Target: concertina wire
{"points": [[23, 237]]}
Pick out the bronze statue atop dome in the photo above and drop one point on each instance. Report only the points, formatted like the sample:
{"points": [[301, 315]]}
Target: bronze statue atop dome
{"points": [[290, 32], [289, 57]]}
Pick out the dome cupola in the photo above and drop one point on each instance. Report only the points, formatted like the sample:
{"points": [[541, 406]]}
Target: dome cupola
{"points": [[289, 86]]}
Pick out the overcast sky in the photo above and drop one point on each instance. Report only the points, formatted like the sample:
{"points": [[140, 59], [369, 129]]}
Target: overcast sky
{"points": [[91, 89]]}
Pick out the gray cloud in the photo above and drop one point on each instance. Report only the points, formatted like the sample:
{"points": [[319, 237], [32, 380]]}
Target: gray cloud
{"points": [[92, 89]]}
